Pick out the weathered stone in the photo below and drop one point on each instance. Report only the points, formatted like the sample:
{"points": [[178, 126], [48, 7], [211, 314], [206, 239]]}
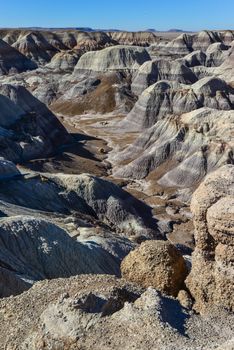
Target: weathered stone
{"points": [[211, 279], [155, 263]]}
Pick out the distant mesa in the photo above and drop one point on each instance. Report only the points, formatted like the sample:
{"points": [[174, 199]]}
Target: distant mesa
{"points": [[151, 30], [177, 30], [169, 31]]}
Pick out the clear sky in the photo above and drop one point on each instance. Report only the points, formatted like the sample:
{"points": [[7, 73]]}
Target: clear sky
{"points": [[119, 14]]}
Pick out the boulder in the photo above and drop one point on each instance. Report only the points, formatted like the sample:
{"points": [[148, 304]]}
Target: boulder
{"points": [[155, 263]]}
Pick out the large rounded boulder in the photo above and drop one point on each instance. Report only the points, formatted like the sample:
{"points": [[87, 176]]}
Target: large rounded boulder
{"points": [[158, 264]]}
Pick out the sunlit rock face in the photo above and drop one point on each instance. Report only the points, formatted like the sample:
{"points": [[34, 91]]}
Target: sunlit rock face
{"points": [[211, 278], [28, 128], [12, 61], [116, 58]]}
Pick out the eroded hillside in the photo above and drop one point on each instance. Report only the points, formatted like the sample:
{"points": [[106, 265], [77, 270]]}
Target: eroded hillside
{"points": [[106, 138]]}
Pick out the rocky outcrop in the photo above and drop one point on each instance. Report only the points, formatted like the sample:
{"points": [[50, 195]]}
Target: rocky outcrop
{"points": [[158, 264], [33, 249], [72, 313], [12, 61], [211, 279], [117, 58], [45, 212], [28, 128]]}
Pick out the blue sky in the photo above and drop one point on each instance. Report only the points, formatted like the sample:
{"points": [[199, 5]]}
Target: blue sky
{"points": [[120, 14]]}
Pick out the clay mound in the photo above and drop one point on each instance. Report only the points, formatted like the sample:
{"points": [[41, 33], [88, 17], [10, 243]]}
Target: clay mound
{"points": [[89, 41], [216, 54], [211, 278], [63, 61], [171, 98], [28, 128], [195, 58], [12, 61], [35, 47], [88, 196], [153, 104], [210, 86], [10, 36], [182, 45], [190, 147], [33, 249], [111, 203], [226, 70], [116, 58], [157, 264], [204, 39], [77, 40], [153, 71], [146, 75]]}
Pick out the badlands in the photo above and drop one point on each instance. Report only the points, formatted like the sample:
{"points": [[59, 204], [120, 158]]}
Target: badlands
{"points": [[116, 190]]}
